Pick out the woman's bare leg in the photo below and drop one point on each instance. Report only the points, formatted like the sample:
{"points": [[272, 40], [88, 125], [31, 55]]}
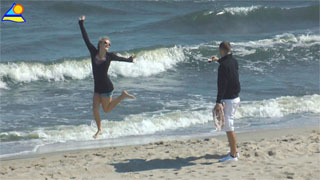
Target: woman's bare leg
{"points": [[109, 104], [96, 112]]}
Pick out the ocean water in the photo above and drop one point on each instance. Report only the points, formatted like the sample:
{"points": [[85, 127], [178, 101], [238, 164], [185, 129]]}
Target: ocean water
{"points": [[46, 83]]}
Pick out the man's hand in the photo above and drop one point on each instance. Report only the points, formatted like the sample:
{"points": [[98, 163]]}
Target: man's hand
{"points": [[214, 58], [217, 107], [82, 18]]}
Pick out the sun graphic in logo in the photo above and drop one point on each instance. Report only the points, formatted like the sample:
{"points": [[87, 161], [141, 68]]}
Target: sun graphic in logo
{"points": [[18, 9], [14, 14]]}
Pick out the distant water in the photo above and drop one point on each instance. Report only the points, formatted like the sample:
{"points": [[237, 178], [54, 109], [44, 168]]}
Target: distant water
{"points": [[46, 83]]}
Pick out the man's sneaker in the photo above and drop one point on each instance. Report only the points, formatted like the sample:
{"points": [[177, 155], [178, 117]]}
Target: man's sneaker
{"points": [[237, 155], [229, 158]]}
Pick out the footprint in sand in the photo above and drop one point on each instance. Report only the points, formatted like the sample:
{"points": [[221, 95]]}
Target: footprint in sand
{"points": [[290, 177], [39, 165], [288, 173], [70, 156], [271, 153], [99, 155], [206, 163]]}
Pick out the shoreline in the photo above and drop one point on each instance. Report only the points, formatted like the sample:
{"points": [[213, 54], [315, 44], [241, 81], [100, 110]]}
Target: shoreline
{"points": [[144, 140], [283, 153], [36, 147]]}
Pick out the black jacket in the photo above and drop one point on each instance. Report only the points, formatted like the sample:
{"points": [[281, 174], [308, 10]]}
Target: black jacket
{"points": [[228, 78]]}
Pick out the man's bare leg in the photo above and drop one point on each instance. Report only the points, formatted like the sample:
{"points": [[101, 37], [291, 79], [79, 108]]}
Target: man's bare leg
{"points": [[232, 143]]}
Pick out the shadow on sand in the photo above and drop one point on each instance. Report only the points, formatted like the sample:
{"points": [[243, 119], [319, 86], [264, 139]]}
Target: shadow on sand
{"points": [[135, 165]]}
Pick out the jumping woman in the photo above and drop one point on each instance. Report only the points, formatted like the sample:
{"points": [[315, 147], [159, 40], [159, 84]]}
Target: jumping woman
{"points": [[103, 87]]}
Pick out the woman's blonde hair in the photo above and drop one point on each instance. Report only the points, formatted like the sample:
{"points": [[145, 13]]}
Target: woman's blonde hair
{"points": [[102, 39]]}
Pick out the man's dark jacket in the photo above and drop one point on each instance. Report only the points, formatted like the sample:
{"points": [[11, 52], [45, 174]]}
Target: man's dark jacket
{"points": [[228, 78]]}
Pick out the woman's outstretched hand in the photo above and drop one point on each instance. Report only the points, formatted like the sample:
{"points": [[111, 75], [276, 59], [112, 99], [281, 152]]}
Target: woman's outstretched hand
{"points": [[82, 18], [133, 57]]}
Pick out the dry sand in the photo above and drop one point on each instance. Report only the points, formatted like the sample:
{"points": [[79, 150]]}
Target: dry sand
{"points": [[273, 154]]}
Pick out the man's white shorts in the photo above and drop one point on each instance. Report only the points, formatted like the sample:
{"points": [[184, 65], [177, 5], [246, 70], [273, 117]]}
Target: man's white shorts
{"points": [[230, 108]]}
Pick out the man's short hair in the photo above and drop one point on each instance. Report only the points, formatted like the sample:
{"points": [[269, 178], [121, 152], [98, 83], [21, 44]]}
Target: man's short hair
{"points": [[225, 46]]}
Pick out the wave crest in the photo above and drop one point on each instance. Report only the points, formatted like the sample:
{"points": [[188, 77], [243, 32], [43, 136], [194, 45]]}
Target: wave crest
{"points": [[242, 20], [279, 107], [147, 63], [150, 123], [150, 62]]}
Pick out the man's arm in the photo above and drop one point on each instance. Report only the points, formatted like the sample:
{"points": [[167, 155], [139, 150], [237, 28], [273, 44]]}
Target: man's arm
{"points": [[222, 83]]}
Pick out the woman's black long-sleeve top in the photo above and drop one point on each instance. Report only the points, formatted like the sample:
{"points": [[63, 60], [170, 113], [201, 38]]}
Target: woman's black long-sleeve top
{"points": [[102, 82]]}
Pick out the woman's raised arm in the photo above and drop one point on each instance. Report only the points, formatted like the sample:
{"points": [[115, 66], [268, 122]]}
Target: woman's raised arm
{"points": [[85, 35]]}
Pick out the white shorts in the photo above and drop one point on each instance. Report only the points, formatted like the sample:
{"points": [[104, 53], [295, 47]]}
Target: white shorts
{"points": [[229, 110]]}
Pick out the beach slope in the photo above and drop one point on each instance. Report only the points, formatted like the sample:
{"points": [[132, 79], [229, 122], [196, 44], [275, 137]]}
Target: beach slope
{"points": [[271, 154]]}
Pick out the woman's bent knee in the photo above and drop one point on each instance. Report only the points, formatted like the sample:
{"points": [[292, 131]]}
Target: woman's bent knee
{"points": [[106, 110]]}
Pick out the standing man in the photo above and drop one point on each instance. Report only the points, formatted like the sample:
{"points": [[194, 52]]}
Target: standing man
{"points": [[228, 94]]}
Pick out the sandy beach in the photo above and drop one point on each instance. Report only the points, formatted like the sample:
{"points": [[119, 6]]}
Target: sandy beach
{"points": [[268, 154]]}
